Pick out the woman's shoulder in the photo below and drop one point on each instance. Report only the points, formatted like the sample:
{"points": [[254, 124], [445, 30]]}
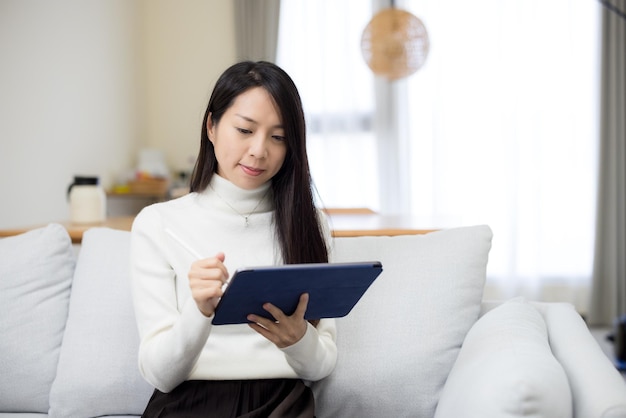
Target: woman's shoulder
{"points": [[156, 212]]}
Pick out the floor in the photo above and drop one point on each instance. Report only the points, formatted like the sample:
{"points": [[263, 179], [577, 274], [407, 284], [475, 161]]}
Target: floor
{"points": [[600, 334]]}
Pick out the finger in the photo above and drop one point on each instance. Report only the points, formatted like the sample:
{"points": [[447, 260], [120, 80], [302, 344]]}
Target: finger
{"points": [[207, 275], [260, 321], [218, 262], [302, 305], [221, 256], [207, 293], [206, 281], [264, 321], [266, 327], [207, 267], [279, 315], [270, 336], [275, 311]]}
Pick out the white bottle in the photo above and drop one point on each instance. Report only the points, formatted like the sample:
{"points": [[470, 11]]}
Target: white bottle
{"points": [[87, 201]]}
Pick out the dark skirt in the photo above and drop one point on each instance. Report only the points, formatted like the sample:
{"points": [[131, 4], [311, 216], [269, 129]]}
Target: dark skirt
{"points": [[271, 398]]}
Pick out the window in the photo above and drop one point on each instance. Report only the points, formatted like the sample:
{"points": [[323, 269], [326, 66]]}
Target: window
{"points": [[318, 47], [500, 126], [505, 127]]}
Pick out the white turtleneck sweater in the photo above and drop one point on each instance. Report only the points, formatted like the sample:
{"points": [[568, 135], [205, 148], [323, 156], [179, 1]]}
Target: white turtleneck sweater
{"points": [[178, 342]]}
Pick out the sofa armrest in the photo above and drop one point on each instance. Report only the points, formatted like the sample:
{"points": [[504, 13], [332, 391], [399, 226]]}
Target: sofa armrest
{"points": [[597, 387], [506, 369]]}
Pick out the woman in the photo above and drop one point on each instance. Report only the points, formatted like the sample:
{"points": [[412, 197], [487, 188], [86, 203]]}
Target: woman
{"points": [[250, 204]]}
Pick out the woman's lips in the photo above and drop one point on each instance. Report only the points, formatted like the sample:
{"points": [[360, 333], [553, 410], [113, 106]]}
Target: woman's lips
{"points": [[251, 170]]}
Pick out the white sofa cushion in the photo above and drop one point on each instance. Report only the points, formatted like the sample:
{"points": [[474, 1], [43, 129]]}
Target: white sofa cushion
{"points": [[397, 346], [36, 271], [506, 369], [98, 372]]}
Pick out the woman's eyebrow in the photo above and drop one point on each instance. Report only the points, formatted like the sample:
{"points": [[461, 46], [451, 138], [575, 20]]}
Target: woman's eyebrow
{"points": [[245, 118], [279, 126]]}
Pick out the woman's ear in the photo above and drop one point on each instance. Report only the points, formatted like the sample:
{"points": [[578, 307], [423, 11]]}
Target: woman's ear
{"points": [[210, 127]]}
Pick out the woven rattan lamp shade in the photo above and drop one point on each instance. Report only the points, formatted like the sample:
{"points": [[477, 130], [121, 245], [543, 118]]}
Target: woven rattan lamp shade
{"points": [[394, 43]]}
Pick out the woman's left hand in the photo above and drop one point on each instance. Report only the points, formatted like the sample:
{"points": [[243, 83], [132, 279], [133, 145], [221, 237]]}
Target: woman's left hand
{"points": [[286, 330]]}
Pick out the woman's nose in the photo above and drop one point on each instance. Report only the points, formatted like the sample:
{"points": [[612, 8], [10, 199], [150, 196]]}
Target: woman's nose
{"points": [[258, 146]]}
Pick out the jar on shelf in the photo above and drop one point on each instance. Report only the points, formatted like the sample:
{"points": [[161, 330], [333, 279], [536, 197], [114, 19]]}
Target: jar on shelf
{"points": [[87, 200]]}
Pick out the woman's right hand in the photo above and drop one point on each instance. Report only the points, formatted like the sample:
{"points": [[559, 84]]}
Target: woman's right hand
{"points": [[206, 278]]}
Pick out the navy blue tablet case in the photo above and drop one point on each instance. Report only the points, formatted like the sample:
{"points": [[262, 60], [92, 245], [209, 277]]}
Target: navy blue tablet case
{"points": [[333, 288]]}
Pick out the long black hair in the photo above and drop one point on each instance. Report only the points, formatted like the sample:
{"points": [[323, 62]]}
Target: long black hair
{"points": [[298, 227]]}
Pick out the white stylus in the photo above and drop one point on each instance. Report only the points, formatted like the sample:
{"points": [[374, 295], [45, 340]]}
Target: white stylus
{"points": [[189, 250], [183, 244]]}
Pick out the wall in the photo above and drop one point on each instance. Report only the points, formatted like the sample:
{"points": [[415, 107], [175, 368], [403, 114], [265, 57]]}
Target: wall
{"points": [[68, 104], [85, 84], [186, 46]]}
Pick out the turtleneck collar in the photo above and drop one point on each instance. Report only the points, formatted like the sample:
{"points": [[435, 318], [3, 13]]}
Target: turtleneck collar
{"points": [[223, 194]]}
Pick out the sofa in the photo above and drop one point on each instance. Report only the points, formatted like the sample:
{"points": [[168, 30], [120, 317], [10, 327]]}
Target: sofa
{"points": [[421, 342]]}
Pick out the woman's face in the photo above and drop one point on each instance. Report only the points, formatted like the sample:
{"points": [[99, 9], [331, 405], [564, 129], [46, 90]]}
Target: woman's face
{"points": [[249, 140]]}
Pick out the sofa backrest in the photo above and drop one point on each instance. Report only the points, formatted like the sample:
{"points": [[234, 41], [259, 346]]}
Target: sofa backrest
{"points": [[98, 370], [397, 346], [36, 270]]}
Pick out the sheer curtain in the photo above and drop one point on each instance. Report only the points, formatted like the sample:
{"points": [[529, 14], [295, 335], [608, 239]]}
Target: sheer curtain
{"points": [[504, 131], [319, 47], [499, 127]]}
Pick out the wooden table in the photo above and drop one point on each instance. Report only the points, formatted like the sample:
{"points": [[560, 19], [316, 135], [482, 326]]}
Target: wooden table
{"points": [[357, 225], [342, 225], [76, 230]]}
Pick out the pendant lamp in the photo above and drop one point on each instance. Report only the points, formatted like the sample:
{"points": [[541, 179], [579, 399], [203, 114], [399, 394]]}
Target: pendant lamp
{"points": [[394, 43]]}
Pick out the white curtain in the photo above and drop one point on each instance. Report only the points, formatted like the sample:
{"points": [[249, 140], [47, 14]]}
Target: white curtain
{"points": [[256, 29], [499, 127], [319, 47], [504, 131]]}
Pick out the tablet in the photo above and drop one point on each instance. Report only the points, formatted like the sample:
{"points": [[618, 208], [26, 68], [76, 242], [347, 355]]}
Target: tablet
{"points": [[333, 288]]}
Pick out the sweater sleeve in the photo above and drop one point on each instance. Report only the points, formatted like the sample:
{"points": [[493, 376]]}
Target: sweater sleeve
{"points": [[171, 337], [315, 355]]}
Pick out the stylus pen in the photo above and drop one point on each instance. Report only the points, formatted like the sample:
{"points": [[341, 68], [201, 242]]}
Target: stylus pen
{"points": [[189, 250], [183, 244]]}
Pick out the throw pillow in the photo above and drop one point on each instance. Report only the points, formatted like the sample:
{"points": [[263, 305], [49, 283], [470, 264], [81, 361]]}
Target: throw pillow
{"points": [[397, 346], [36, 271], [98, 373], [506, 369]]}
